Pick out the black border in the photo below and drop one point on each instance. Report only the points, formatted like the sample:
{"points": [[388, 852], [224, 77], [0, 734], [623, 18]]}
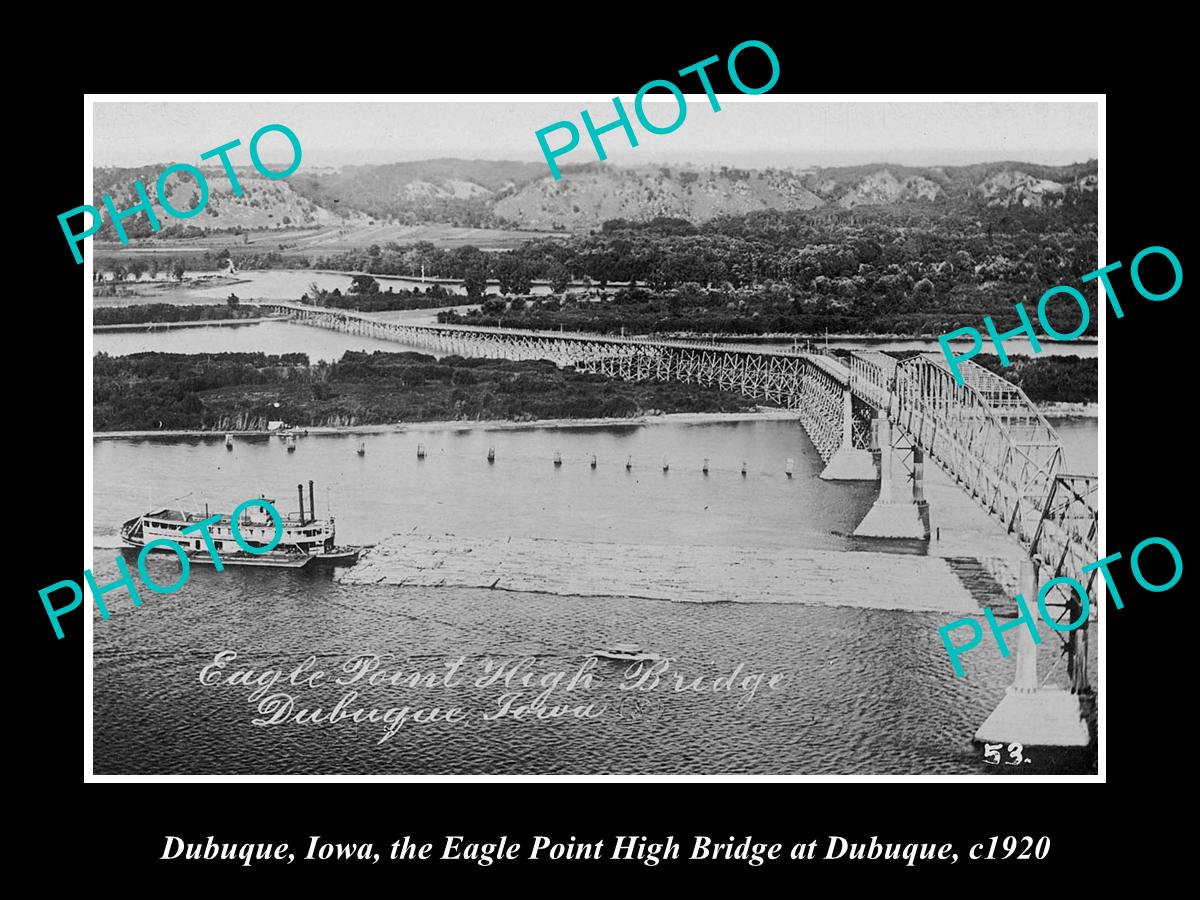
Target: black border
{"points": [[120, 827]]}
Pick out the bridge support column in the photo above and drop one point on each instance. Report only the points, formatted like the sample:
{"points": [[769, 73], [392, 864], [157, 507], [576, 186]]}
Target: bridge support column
{"points": [[890, 518], [1030, 715], [848, 463]]}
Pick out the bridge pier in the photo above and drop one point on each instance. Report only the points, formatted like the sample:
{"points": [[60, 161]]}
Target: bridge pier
{"points": [[849, 463], [1030, 715], [889, 518]]}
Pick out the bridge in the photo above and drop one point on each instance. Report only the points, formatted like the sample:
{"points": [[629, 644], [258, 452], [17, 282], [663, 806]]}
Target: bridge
{"points": [[860, 415]]}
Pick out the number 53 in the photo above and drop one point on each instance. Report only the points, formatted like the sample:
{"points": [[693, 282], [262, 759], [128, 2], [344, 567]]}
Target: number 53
{"points": [[991, 754]]}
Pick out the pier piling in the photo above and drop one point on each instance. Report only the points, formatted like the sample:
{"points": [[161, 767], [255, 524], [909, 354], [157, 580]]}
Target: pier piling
{"points": [[849, 463], [1029, 714], [889, 518]]}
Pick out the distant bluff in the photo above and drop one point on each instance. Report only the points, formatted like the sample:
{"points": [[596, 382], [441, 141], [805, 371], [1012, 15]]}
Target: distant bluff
{"points": [[491, 193]]}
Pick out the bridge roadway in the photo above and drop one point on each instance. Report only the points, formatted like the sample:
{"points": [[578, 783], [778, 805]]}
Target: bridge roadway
{"points": [[985, 434]]}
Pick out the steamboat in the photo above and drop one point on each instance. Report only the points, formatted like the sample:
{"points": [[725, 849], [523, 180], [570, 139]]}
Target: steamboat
{"points": [[306, 539]]}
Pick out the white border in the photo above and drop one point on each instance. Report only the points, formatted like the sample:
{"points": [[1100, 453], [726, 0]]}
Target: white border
{"points": [[88, 511]]}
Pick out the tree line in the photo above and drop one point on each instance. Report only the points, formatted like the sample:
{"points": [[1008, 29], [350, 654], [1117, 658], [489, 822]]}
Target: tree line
{"points": [[906, 269], [153, 391], [174, 312], [364, 295]]}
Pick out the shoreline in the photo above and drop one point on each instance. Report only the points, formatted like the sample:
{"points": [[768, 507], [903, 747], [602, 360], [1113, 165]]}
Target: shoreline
{"points": [[1065, 410], [216, 279], [1049, 410], [193, 323], [685, 418]]}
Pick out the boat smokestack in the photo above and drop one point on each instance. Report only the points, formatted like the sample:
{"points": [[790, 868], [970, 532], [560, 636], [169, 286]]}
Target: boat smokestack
{"points": [[312, 504], [300, 491]]}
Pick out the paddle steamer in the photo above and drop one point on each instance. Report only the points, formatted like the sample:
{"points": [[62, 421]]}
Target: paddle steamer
{"points": [[305, 537]]}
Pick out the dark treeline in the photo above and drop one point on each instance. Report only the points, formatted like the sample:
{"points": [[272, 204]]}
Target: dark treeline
{"points": [[149, 391], [162, 267], [172, 312], [364, 295], [914, 268], [773, 310], [1044, 379]]}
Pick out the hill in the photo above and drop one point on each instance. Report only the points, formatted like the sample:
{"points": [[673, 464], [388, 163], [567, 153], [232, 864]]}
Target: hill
{"points": [[457, 191], [589, 195], [522, 195], [264, 203]]}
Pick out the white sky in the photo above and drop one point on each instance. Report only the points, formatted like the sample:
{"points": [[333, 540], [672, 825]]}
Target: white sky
{"points": [[766, 130]]}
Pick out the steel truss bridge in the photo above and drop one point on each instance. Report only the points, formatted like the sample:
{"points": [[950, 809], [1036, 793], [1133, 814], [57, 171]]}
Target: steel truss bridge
{"points": [[986, 434]]}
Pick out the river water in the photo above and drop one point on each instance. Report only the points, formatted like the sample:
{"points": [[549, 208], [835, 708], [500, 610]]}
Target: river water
{"points": [[265, 337], [286, 284], [857, 690]]}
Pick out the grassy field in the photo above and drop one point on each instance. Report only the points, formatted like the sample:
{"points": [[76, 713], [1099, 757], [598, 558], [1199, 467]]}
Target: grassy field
{"points": [[321, 241]]}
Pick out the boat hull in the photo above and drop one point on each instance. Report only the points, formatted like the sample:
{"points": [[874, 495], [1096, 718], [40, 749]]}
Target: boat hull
{"points": [[266, 560], [338, 556], [627, 657]]}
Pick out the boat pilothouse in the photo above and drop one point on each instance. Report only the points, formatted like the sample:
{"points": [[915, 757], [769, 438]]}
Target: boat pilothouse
{"points": [[305, 537]]}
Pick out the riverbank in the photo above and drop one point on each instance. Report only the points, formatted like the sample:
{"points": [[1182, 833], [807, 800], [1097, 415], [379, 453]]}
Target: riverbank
{"points": [[1069, 410], [193, 323], [483, 425], [148, 288]]}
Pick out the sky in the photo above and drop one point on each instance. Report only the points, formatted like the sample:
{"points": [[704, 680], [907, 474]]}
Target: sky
{"points": [[750, 132]]}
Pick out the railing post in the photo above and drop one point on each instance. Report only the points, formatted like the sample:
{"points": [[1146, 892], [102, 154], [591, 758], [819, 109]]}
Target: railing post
{"points": [[888, 518]]}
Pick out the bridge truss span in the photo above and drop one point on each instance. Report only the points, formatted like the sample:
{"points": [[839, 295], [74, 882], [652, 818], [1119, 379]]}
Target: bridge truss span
{"points": [[812, 385], [985, 433]]}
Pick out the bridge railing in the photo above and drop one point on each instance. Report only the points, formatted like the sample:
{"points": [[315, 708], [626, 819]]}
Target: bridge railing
{"points": [[871, 376], [995, 443], [350, 316]]}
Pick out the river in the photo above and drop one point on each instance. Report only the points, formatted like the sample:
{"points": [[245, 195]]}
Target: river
{"points": [[284, 284], [859, 690]]}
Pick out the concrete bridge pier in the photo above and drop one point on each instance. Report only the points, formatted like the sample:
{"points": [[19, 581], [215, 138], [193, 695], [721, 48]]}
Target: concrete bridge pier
{"points": [[849, 463], [1031, 715], [888, 517]]}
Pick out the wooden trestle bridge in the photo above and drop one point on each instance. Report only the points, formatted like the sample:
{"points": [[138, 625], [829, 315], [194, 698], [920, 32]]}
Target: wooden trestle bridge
{"points": [[986, 434]]}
